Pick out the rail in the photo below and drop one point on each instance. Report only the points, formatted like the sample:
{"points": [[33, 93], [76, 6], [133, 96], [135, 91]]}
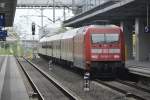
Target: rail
{"points": [[64, 90], [124, 91], [40, 97], [135, 86]]}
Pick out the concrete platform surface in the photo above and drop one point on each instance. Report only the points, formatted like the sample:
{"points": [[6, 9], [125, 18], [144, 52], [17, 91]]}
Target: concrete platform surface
{"points": [[132, 63], [139, 67], [13, 86]]}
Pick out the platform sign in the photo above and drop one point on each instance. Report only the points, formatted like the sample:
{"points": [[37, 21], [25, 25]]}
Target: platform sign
{"points": [[2, 20], [147, 29]]}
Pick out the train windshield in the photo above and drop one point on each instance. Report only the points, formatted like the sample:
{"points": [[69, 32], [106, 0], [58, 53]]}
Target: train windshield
{"points": [[105, 38]]}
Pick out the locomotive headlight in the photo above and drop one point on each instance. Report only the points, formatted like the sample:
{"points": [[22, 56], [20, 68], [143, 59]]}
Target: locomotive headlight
{"points": [[96, 51], [116, 56], [114, 50], [94, 56]]}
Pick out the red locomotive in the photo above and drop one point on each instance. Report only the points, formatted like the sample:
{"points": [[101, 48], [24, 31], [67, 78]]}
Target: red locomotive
{"points": [[99, 49]]}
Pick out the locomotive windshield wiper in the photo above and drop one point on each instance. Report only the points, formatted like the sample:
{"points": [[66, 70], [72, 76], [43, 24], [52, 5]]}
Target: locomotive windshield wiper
{"points": [[113, 42], [101, 42]]}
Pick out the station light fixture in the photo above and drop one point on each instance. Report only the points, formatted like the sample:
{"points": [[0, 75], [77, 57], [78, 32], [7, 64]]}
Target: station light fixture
{"points": [[2, 5]]}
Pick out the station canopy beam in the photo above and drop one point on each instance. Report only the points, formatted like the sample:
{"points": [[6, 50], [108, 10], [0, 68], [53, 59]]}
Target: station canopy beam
{"points": [[46, 3], [115, 12]]}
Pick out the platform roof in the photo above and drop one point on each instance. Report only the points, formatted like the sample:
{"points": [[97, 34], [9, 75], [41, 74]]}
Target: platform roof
{"points": [[126, 9], [47, 3], [8, 7]]}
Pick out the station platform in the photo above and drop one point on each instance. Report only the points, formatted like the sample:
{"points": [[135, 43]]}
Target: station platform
{"points": [[11, 82], [139, 67]]}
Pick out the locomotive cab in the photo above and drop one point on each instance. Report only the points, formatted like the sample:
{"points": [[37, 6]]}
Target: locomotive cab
{"points": [[105, 47], [107, 51]]}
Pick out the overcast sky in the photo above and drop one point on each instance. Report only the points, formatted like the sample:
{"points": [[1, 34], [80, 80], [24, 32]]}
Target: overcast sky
{"points": [[25, 17]]}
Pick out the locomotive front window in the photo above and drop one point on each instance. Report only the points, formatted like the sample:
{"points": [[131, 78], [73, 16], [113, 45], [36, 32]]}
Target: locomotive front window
{"points": [[98, 38], [105, 38], [111, 38]]}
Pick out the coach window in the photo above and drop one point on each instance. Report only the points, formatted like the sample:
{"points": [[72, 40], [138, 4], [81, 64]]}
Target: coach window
{"points": [[50, 46], [42, 45]]}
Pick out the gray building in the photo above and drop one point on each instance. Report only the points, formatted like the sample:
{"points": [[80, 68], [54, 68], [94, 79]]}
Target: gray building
{"points": [[30, 44], [89, 4]]}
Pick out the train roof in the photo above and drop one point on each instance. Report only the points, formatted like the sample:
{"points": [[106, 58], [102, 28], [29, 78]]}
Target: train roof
{"points": [[65, 35], [43, 39], [70, 34], [54, 37], [103, 26]]}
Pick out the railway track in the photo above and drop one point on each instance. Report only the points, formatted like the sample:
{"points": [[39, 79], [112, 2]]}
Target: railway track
{"points": [[133, 85], [127, 88], [43, 94], [34, 87]]}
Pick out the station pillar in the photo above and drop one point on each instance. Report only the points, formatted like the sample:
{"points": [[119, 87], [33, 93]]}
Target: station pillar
{"points": [[127, 27], [142, 41]]}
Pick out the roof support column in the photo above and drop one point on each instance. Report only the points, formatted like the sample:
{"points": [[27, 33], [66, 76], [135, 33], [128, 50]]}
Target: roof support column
{"points": [[142, 40], [127, 28]]}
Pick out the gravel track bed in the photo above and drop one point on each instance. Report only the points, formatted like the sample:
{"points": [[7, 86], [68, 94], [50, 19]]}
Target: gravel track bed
{"points": [[48, 90], [75, 83]]}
